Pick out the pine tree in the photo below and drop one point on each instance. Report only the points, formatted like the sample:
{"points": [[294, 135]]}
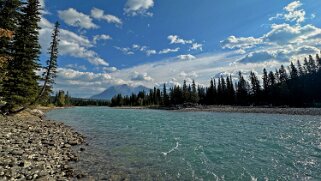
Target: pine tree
{"points": [[307, 67], [194, 95], [242, 90], [21, 87], [230, 89], [283, 74], [61, 98], [300, 68], [318, 59], [312, 64], [9, 15], [165, 96], [277, 76], [294, 74], [185, 92], [255, 87], [210, 93], [51, 69], [265, 79]]}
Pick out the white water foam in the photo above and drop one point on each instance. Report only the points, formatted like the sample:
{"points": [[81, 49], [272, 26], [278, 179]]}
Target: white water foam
{"points": [[171, 150]]}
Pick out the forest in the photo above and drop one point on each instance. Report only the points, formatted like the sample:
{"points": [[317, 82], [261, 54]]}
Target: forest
{"points": [[298, 85], [24, 82]]}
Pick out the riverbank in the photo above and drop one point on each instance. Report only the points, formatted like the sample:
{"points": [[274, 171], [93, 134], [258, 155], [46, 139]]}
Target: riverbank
{"points": [[249, 109], [234, 109], [36, 149]]}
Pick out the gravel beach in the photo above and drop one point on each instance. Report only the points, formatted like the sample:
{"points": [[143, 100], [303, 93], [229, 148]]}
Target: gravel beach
{"points": [[34, 149], [244, 109]]}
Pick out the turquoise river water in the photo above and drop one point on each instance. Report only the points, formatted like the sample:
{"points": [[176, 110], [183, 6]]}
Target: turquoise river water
{"points": [[168, 145]]}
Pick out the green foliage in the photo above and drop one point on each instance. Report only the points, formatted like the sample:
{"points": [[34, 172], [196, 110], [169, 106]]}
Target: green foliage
{"points": [[21, 86], [8, 8], [60, 99]]}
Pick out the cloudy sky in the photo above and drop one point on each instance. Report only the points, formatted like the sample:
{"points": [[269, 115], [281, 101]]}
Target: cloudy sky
{"points": [[151, 42]]}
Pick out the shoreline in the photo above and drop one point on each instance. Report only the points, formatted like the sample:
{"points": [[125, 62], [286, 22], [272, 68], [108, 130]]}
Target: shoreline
{"points": [[32, 148], [234, 109], [257, 110]]}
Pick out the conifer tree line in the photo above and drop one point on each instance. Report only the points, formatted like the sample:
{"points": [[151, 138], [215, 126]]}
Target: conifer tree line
{"points": [[298, 85], [20, 49], [62, 99]]}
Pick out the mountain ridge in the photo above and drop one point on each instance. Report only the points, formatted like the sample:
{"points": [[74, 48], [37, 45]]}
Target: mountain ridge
{"points": [[122, 89]]}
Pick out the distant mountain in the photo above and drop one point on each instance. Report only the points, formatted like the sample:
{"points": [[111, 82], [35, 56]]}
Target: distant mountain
{"points": [[124, 90]]}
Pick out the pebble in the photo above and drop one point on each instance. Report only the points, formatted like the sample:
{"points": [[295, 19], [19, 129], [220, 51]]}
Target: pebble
{"points": [[31, 149]]}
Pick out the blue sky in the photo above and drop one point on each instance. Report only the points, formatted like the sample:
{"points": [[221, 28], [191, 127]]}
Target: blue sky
{"points": [[150, 42]]}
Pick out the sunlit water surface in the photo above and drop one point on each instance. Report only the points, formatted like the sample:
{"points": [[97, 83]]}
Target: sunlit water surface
{"points": [[165, 145]]}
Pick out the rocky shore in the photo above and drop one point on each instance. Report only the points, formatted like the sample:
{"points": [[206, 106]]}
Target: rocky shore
{"points": [[249, 109], [35, 149]]}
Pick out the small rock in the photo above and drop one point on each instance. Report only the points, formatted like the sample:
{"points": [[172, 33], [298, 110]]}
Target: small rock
{"points": [[17, 152], [26, 164], [73, 142], [67, 145]]}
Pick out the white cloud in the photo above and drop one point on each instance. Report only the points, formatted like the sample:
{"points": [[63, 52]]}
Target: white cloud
{"points": [[150, 52], [43, 10], [101, 37], [138, 7], [126, 51], [70, 44], [42, 3], [110, 69], [293, 6], [284, 42], [186, 57], [168, 50], [76, 67], [99, 14], [197, 46], [137, 48], [233, 42], [83, 84], [75, 50], [174, 39], [140, 77], [292, 13], [77, 19]]}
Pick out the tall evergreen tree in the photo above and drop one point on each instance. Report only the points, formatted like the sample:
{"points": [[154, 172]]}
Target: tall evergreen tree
{"points": [[283, 74], [294, 74], [194, 95], [185, 92], [312, 64], [265, 79], [9, 16], [242, 92], [318, 59], [165, 96], [51, 68], [21, 87], [307, 67], [230, 90], [271, 79], [255, 87], [277, 76], [300, 68]]}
